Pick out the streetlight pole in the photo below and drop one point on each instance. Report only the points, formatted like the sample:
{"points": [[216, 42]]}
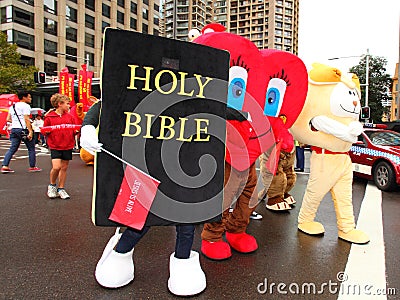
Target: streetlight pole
{"points": [[366, 76], [70, 55]]}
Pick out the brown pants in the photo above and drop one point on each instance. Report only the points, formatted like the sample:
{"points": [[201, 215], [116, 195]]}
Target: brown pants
{"points": [[284, 179], [240, 186]]}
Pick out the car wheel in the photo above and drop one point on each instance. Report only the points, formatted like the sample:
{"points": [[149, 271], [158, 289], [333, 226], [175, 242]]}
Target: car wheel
{"points": [[384, 177]]}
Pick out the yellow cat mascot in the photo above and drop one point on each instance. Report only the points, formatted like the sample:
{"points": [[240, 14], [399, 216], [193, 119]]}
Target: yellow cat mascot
{"points": [[329, 123]]}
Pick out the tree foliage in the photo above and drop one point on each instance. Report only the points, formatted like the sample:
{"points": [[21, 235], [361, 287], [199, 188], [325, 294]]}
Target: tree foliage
{"points": [[13, 76], [379, 85]]}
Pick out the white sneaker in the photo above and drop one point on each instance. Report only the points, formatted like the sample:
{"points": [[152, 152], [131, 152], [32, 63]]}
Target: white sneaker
{"points": [[255, 216], [63, 194], [52, 191]]}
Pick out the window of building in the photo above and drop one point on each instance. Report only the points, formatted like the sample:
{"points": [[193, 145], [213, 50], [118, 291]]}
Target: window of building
{"points": [[75, 1], [104, 25], [89, 40], [145, 28], [27, 61], [288, 11], [50, 26], [287, 41], [288, 26], [71, 34], [278, 24], [121, 3], [71, 14], [89, 4], [120, 17], [30, 2], [156, 7], [146, 2], [145, 14], [89, 21], [133, 8], [106, 10], [17, 15], [278, 32], [156, 32], [156, 20], [133, 24], [50, 47], [50, 6], [71, 51], [22, 40], [50, 67], [91, 58]]}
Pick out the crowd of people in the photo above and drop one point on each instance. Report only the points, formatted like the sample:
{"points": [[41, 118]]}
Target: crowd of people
{"points": [[29, 131]]}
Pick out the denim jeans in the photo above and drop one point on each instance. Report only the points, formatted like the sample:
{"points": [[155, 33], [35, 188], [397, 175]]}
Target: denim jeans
{"points": [[15, 138], [183, 244]]}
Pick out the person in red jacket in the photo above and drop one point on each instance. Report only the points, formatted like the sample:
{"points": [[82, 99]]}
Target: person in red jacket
{"points": [[60, 142]]}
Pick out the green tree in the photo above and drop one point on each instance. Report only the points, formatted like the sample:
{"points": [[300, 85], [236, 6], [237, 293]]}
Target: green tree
{"points": [[13, 76], [379, 85]]}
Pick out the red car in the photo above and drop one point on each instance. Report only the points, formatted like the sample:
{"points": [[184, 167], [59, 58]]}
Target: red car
{"points": [[376, 156]]}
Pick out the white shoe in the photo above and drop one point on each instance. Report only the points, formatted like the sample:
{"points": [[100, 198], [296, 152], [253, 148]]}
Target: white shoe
{"points": [[114, 269], [255, 216], [63, 194], [186, 278], [52, 191]]}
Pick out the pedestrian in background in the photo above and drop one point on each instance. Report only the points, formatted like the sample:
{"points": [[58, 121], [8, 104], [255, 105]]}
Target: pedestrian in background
{"points": [[60, 142], [36, 125], [299, 157], [18, 115]]}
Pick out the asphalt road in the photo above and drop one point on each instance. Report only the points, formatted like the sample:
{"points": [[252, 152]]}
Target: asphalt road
{"points": [[49, 248]]}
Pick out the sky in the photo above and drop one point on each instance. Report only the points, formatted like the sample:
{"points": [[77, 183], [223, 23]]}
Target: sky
{"points": [[342, 28]]}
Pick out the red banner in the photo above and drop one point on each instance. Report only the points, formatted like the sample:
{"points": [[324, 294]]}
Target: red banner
{"points": [[66, 86], [134, 199], [89, 79], [63, 81], [82, 87], [85, 86], [70, 93]]}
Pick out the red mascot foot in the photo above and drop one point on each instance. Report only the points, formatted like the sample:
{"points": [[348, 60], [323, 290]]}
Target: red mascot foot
{"points": [[216, 250], [242, 242]]}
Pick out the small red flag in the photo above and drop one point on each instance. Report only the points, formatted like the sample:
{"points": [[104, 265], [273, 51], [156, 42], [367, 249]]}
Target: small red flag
{"points": [[135, 197]]}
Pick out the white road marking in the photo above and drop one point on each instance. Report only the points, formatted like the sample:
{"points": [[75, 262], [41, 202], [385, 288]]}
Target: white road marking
{"points": [[365, 269]]}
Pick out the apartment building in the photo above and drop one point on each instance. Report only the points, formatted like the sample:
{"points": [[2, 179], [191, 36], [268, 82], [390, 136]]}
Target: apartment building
{"points": [[268, 23], [52, 34]]}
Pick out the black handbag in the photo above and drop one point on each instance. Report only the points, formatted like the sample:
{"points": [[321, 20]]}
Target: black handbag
{"points": [[24, 132]]}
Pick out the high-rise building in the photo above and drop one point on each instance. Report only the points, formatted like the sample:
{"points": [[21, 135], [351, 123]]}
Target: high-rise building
{"points": [[52, 34], [270, 24]]}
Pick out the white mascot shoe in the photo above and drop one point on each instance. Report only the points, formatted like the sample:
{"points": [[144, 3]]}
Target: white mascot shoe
{"points": [[114, 269], [186, 278]]}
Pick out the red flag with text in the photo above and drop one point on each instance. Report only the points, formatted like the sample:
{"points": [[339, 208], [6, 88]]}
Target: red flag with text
{"points": [[85, 86], [135, 197], [66, 86], [82, 94]]}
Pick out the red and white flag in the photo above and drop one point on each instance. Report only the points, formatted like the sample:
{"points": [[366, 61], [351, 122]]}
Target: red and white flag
{"points": [[135, 197]]}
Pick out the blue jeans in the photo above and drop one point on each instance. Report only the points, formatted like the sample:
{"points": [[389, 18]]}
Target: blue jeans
{"points": [[15, 138], [183, 244], [299, 157]]}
